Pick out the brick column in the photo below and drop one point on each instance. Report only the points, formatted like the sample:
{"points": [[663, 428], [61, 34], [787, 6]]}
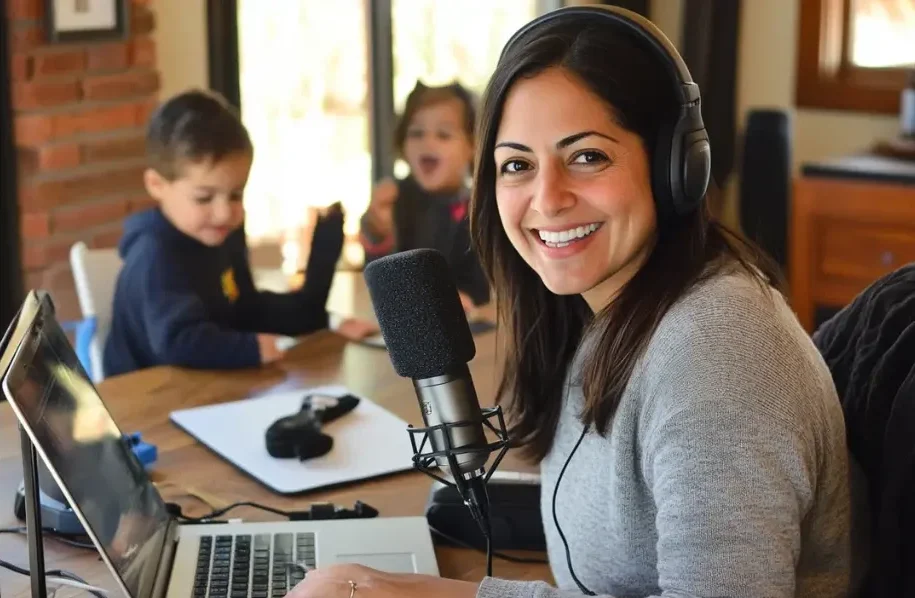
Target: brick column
{"points": [[79, 115]]}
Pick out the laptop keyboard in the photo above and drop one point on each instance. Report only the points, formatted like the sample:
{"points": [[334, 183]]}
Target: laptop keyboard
{"points": [[262, 566]]}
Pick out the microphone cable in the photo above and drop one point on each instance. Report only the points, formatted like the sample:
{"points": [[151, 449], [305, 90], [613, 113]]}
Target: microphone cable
{"points": [[176, 510], [316, 512], [584, 589], [487, 533], [478, 503], [60, 578]]}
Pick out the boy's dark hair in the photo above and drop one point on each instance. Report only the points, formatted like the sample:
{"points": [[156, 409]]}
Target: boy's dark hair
{"points": [[424, 95], [193, 126]]}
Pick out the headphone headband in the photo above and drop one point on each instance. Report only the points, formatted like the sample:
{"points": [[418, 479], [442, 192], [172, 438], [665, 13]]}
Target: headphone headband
{"points": [[647, 32]]}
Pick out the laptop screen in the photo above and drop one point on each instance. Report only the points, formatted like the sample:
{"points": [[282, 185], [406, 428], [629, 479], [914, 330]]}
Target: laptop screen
{"points": [[96, 467]]}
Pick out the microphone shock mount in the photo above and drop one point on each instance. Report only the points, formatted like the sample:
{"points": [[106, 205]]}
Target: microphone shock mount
{"points": [[471, 486]]}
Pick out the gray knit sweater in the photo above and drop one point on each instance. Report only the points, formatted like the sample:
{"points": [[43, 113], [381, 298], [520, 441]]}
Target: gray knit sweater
{"points": [[725, 470]]}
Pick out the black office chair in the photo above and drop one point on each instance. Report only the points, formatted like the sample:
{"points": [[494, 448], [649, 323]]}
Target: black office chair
{"points": [[869, 347]]}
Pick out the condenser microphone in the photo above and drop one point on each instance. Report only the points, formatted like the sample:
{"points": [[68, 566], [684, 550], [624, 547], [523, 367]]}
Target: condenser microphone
{"points": [[428, 340]]}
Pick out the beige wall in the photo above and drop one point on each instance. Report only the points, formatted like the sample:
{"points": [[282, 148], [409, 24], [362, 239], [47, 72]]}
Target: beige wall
{"points": [[181, 43], [668, 15]]}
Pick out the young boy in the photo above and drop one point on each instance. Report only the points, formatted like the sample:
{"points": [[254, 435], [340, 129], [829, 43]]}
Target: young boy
{"points": [[185, 294]]}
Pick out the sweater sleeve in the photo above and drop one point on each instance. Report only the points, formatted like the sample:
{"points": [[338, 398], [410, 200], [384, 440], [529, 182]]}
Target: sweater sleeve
{"points": [[179, 330], [729, 511]]}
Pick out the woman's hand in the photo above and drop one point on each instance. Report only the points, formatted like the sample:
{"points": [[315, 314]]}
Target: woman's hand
{"points": [[334, 582]]}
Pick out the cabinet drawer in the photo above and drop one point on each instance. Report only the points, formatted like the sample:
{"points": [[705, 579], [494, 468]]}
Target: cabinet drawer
{"points": [[862, 252]]}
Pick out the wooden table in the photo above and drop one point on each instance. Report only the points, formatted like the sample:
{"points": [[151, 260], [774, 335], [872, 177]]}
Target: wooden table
{"points": [[142, 402]]}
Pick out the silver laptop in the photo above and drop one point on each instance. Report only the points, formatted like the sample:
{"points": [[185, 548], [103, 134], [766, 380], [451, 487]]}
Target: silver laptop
{"points": [[151, 554]]}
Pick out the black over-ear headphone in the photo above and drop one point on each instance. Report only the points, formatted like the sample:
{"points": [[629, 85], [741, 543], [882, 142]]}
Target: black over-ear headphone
{"points": [[682, 161]]}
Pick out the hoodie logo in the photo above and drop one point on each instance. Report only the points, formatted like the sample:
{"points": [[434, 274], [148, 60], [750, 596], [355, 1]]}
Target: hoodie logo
{"points": [[229, 288]]}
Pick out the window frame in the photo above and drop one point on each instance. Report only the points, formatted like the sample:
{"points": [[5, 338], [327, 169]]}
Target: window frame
{"points": [[12, 283], [826, 78]]}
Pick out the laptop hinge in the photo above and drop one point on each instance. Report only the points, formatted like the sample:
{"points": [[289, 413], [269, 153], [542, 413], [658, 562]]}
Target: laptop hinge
{"points": [[164, 572]]}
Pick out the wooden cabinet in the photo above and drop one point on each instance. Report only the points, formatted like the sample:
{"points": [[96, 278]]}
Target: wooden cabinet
{"points": [[852, 222]]}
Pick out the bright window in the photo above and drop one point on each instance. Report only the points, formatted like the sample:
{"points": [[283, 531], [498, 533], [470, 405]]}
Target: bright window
{"points": [[883, 33]]}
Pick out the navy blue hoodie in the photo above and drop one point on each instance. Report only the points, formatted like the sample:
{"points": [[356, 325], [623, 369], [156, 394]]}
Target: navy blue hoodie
{"points": [[179, 302]]}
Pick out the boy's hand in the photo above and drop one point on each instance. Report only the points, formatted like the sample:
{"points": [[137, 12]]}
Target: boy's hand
{"points": [[381, 208], [327, 238], [269, 349], [356, 329]]}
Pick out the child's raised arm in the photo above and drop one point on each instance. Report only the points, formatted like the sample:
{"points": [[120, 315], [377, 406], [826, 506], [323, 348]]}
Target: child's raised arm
{"points": [[377, 229]]}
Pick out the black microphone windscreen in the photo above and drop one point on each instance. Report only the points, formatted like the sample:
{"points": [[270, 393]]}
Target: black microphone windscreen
{"points": [[419, 312]]}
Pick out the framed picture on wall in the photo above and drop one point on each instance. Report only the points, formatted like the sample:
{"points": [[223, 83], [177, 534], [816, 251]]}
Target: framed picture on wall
{"points": [[86, 20]]}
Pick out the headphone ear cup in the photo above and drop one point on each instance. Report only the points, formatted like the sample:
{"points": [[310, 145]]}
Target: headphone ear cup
{"points": [[662, 173], [689, 162], [697, 168]]}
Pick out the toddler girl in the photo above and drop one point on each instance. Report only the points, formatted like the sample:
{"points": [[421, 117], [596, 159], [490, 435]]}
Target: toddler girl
{"points": [[428, 209]]}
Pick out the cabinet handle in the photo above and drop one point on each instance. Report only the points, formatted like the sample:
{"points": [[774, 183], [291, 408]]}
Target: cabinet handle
{"points": [[887, 258]]}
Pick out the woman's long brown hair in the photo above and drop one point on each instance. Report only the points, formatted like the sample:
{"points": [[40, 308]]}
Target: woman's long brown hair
{"points": [[540, 331]]}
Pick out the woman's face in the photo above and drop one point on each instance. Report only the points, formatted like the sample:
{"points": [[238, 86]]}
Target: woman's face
{"points": [[573, 187]]}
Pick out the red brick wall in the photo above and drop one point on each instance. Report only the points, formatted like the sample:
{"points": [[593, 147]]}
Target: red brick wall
{"points": [[79, 116]]}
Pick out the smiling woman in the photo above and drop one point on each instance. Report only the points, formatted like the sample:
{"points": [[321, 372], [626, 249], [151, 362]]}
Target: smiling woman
{"points": [[650, 362], [642, 337]]}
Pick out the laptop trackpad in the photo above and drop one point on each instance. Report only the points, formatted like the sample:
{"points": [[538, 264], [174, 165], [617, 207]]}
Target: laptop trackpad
{"points": [[394, 562]]}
